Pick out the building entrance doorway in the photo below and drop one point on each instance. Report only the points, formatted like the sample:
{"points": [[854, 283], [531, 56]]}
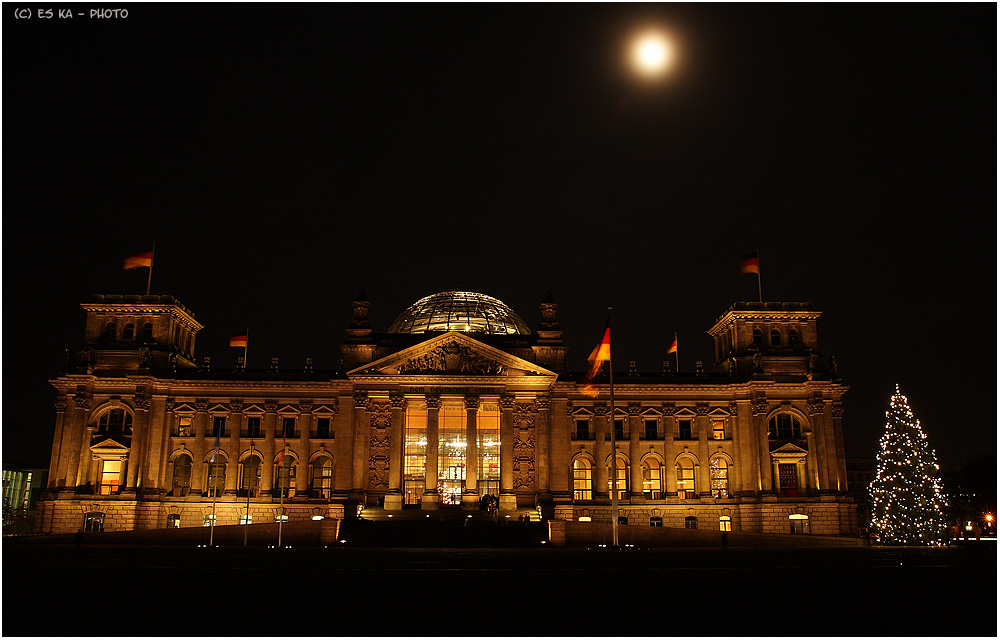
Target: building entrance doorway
{"points": [[412, 490]]}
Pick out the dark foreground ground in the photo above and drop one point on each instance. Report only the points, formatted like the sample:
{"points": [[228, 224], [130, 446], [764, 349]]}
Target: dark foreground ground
{"points": [[56, 590]]}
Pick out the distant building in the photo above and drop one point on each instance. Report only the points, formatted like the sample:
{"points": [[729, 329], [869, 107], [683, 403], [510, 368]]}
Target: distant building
{"points": [[457, 399], [21, 491], [860, 473]]}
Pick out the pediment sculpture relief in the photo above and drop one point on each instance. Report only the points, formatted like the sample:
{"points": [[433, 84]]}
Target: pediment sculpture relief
{"points": [[452, 358]]}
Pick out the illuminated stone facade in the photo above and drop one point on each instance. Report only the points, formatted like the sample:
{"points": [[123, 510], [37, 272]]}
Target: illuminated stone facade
{"points": [[419, 419]]}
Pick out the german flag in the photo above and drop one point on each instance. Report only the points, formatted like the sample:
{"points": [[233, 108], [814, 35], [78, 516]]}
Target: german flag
{"points": [[749, 264], [238, 341], [600, 355], [673, 347], [139, 260]]}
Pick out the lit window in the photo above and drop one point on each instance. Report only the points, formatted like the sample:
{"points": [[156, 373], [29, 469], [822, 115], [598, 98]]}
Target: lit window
{"points": [[208, 520], [582, 480], [685, 478], [718, 429], [173, 521], [111, 471], [184, 426], [788, 484], [725, 523], [322, 477], [284, 478], [719, 471], [216, 477], [621, 467], [652, 488], [250, 476], [414, 452]]}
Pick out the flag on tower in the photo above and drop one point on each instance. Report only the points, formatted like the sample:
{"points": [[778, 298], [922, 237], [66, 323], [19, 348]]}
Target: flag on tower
{"points": [[139, 261], [673, 347], [600, 355], [749, 264], [238, 341]]}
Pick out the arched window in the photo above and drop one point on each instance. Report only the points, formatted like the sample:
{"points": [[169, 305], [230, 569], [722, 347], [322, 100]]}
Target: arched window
{"points": [[115, 421], [250, 476], [109, 331], [128, 332], [652, 479], [284, 478], [719, 472], [583, 485], [621, 467], [690, 522], [182, 475], [793, 338], [147, 331], [685, 478], [216, 477], [784, 426], [775, 338], [322, 477], [758, 338]]}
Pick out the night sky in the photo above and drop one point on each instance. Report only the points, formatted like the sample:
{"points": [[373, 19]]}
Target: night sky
{"points": [[283, 157]]}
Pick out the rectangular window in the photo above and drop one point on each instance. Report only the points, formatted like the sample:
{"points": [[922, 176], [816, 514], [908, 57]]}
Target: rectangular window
{"points": [[414, 451], [173, 521], [184, 427], [110, 476], [287, 427], [683, 429], [451, 452], [582, 430], [488, 447], [219, 426], [650, 429], [620, 430], [718, 429], [253, 427], [322, 427], [656, 521], [725, 523], [787, 481]]}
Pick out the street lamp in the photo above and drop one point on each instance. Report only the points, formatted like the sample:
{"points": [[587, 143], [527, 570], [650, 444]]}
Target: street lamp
{"points": [[651, 53]]}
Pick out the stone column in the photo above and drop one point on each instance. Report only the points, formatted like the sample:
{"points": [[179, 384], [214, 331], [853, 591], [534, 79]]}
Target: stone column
{"points": [[57, 441], [430, 499], [199, 466], [561, 474], [601, 448], [88, 469], [396, 445], [542, 446], [669, 471], [234, 423], [634, 452], [268, 425], [81, 409], [359, 445], [154, 466], [139, 433], [470, 496], [701, 425], [93, 462], [304, 424], [759, 427], [508, 500], [838, 477]]}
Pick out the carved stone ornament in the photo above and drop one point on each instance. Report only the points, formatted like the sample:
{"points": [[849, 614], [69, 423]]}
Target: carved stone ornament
{"points": [[141, 401], [305, 406], [524, 416], [378, 451], [381, 415], [60, 404], [634, 409], [544, 403], [235, 406], [360, 399], [701, 409], [432, 401], [471, 401], [270, 406], [815, 407], [452, 358], [759, 405], [201, 405], [507, 402], [397, 401], [83, 401], [837, 410], [524, 459], [600, 409]]}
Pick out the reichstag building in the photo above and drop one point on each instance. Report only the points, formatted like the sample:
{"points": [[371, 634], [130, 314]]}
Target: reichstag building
{"points": [[458, 399]]}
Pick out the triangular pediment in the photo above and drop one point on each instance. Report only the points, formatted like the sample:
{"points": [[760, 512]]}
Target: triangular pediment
{"points": [[108, 444], [789, 451], [451, 354]]}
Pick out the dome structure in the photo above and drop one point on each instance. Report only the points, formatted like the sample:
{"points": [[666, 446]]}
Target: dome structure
{"points": [[460, 311]]}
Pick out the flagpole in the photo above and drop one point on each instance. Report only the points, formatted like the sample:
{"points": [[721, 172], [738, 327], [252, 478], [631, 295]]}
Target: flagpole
{"points": [[152, 256], [759, 294], [677, 355], [614, 452], [246, 345], [215, 495], [281, 494]]}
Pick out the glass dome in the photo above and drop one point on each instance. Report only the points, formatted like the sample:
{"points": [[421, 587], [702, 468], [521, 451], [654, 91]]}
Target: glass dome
{"points": [[459, 311]]}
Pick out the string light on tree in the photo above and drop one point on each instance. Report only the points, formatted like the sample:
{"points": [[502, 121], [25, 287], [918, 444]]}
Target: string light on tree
{"points": [[908, 503]]}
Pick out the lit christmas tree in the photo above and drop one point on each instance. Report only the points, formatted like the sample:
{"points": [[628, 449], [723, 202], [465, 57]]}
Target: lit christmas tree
{"points": [[908, 504]]}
